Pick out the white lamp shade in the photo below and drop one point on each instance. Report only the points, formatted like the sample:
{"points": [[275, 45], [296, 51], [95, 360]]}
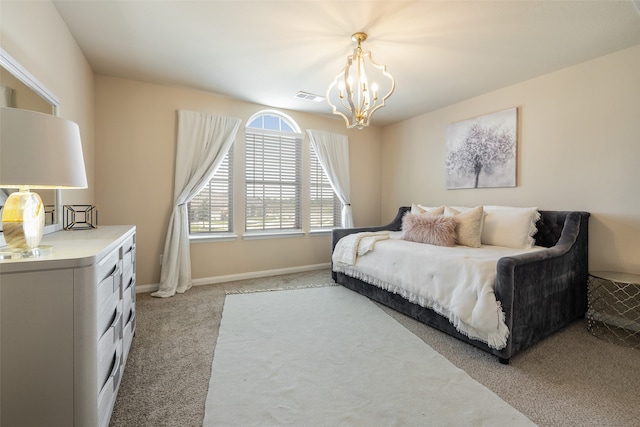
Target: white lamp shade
{"points": [[39, 150]]}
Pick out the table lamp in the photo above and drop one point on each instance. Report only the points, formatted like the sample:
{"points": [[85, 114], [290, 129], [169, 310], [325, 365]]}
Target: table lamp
{"points": [[37, 151]]}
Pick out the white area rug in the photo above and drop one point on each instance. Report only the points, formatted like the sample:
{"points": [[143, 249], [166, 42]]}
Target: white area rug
{"points": [[330, 357]]}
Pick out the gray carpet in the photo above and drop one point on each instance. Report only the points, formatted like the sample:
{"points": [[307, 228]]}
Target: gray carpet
{"points": [[570, 379]]}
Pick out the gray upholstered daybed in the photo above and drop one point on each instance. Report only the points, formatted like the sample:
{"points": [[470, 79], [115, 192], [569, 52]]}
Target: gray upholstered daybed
{"points": [[539, 292]]}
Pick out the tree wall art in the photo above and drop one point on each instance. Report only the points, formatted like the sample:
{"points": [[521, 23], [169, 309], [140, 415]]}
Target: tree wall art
{"points": [[481, 152]]}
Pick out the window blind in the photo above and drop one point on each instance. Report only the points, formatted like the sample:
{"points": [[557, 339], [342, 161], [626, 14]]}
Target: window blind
{"points": [[211, 210], [273, 178], [325, 205]]}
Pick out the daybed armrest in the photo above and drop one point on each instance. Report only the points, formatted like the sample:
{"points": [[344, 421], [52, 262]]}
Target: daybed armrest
{"points": [[395, 225], [546, 289], [339, 233]]}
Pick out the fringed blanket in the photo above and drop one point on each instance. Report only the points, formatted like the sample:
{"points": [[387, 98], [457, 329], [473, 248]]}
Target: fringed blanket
{"points": [[456, 282], [354, 245]]}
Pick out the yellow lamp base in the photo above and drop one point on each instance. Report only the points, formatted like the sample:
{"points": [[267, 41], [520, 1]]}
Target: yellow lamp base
{"points": [[23, 220]]}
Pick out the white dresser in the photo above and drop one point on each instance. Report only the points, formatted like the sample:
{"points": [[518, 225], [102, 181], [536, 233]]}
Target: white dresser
{"points": [[66, 325]]}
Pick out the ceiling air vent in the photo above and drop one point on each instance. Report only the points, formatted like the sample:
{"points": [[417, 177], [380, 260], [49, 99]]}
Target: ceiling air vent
{"points": [[309, 96]]}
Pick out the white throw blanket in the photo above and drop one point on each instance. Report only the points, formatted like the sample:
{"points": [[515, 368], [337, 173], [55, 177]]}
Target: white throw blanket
{"points": [[456, 282], [354, 245]]}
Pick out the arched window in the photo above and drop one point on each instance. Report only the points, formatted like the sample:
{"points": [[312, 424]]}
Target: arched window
{"points": [[273, 173]]}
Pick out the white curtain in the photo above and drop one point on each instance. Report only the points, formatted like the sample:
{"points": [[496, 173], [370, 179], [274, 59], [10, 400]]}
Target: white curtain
{"points": [[333, 154], [202, 141]]}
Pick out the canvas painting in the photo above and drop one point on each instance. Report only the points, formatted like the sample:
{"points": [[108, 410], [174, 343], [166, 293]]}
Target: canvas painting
{"points": [[481, 152]]}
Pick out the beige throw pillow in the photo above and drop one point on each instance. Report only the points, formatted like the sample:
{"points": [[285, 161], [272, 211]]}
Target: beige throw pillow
{"points": [[468, 225], [419, 209]]}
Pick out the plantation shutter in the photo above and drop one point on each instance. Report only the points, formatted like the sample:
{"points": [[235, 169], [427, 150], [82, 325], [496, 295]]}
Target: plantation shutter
{"points": [[333, 154], [325, 205], [211, 210], [273, 174]]}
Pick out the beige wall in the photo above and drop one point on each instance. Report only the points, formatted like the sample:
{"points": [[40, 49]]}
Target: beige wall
{"points": [[35, 35], [135, 157], [578, 149]]}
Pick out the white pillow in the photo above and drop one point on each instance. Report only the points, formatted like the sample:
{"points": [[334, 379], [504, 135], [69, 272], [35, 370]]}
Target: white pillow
{"points": [[468, 225], [419, 209], [509, 226]]}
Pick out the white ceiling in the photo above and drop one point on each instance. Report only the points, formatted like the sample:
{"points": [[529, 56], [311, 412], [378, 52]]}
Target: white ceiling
{"points": [[439, 52]]}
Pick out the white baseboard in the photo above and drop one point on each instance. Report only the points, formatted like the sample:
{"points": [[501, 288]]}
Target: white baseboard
{"points": [[240, 276]]}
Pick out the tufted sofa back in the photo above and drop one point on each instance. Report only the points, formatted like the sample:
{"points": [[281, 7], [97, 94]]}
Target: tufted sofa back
{"points": [[550, 227]]}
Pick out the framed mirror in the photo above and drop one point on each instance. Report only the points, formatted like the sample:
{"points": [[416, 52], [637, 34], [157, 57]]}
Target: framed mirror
{"points": [[20, 89]]}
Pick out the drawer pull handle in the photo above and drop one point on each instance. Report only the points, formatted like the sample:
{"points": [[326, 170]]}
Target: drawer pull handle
{"points": [[115, 366], [116, 270], [116, 375], [129, 249], [114, 319], [117, 326], [130, 315], [116, 276], [115, 372], [131, 280], [111, 272]]}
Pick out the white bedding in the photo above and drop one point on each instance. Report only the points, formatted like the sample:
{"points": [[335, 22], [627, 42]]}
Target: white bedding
{"points": [[355, 245], [457, 282]]}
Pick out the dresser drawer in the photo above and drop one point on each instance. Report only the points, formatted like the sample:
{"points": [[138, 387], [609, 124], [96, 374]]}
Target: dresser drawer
{"points": [[107, 265], [107, 287], [128, 301], [129, 244], [127, 335], [128, 259], [113, 309], [128, 279], [109, 346], [128, 254], [107, 396]]}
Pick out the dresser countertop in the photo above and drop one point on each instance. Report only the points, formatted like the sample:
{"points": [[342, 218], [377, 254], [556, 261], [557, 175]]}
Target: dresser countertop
{"points": [[71, 249]]}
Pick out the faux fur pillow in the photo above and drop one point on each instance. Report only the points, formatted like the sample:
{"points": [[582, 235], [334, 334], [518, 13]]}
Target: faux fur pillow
{"points": [[432, 229]]}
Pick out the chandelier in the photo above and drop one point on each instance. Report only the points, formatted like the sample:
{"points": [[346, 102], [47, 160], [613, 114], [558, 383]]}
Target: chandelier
{"points": [[355, 93]]}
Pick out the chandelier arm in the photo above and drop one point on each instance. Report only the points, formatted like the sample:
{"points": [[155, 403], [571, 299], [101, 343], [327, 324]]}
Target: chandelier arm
{"points": [[345, 105], [348, 87]]}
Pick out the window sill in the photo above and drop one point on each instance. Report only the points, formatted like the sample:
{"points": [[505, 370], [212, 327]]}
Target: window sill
{"points": [[208, 238], [321, 232], [256, 235]]}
